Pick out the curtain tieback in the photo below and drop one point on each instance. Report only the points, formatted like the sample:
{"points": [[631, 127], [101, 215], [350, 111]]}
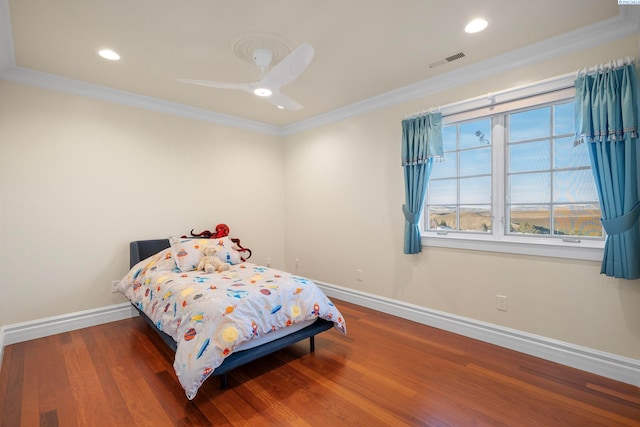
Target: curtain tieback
{"points": [[412, 218], [622, 223]]}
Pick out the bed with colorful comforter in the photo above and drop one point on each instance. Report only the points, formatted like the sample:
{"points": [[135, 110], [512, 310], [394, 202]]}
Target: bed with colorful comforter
{"points": [[211, 316]]}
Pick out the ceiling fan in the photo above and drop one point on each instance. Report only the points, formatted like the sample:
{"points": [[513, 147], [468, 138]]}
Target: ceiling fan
{"points": [[272, 80]]}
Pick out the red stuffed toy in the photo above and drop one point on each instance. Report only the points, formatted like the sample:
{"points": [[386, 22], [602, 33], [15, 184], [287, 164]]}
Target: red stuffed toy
{"points": [[222, 230]]}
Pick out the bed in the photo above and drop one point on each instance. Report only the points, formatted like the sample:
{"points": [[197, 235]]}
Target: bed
{"points": [[218, 321]]}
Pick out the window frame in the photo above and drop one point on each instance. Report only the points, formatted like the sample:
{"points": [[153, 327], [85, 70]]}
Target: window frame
{"points": [[498, 241]]}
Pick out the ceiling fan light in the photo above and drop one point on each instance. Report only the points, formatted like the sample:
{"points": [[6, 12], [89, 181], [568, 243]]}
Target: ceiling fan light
{"points": [[109, 54], [262, 91], [476, 26]]}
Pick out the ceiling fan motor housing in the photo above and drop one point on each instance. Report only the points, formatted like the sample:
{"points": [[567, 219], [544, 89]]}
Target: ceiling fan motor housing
{"points": [[262, 58]]}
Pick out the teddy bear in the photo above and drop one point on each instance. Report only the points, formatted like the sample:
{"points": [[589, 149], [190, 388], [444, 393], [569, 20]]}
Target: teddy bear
{"points": [[210, 262]]}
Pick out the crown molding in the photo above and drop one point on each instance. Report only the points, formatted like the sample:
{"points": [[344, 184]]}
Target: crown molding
{"points": [[627, 23], [10, 72], [62, 84], [621, 26]]}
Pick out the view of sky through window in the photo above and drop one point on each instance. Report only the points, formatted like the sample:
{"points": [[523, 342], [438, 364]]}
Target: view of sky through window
{"points": [[548, 184]]}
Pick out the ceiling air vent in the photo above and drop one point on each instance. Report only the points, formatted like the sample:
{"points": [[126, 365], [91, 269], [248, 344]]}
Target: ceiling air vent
{"points": [[447, 59]]}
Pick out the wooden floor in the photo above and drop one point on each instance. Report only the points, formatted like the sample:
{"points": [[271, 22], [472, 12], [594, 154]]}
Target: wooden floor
{"points": [[386, 372]]}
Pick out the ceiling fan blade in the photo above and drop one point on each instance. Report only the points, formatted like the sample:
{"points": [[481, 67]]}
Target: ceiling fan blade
{"points": [[281, 100], [284, 72], [219, 85], [290, 67]]}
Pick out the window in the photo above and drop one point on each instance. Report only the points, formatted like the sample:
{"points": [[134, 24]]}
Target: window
{"points": [[513, 181], [459, 192]]}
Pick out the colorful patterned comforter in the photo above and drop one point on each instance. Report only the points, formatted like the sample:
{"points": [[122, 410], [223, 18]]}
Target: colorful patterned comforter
{"points": [[209, 315]]}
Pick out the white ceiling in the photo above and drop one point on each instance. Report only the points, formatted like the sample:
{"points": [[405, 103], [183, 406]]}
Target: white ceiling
{"points": [[364, 48]]}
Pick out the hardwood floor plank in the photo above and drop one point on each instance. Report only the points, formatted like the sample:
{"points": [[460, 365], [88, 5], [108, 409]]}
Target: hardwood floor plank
{"points": [[47, 372], [54, 380], [226, 407], [84, 381], [358, 407], [141, 403], [11, 412], [151, 366], [165, 391], [387, 372], [274, 410], [618, 395], [30, 411], [4, 379], [98, 349], [593, 411], [426, 404], [48, 419], [582, 386]]}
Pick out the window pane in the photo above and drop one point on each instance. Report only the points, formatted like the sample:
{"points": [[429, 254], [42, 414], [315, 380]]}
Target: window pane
{"points": [[530, 124], [577, 220], [443, 192], [565, 155], [450, 137], [475, 218], [475, 190], [443, 218], [574, 186], [530, 220], [563, 118], [530, 156], [544, 187], [447, 168], [475, 162], [474, 134], [530, 188]]}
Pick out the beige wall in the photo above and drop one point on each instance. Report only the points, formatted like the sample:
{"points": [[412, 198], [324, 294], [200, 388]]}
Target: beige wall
{"points": [[344, 192], [80, 178]]}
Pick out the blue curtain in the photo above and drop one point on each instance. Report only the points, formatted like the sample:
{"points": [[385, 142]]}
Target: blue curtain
{"points": [[421, 143], [607, 120]]}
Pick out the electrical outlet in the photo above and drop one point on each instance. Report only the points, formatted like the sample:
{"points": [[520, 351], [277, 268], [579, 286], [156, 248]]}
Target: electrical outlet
{"points": [[501, 302], [360, 275], [268, 262], [296, 264], [114, 286]]}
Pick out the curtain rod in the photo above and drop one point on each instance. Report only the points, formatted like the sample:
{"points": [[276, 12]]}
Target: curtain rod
{"points": [[491, 98], [613, 64], [548, 85]]}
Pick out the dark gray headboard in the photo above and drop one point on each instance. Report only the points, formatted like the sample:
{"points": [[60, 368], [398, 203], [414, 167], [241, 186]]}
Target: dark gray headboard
{"points": [[141, 249]]}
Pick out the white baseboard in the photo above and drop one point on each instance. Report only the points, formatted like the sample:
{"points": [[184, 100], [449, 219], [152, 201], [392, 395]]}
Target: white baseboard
{"points": [[39, 328], [608, 365]]}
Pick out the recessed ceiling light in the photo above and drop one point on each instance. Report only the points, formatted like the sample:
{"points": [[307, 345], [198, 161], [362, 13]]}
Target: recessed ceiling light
{"points": [[262, 91], [280, 107], [109, 54], [476, 25]]}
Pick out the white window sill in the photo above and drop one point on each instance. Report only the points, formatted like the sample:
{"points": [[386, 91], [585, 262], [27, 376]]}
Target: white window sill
{"points": [[591, 250]]}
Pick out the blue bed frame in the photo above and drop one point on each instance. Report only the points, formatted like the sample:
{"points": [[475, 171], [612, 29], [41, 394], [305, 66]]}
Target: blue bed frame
{"points": [[142, 249]]}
